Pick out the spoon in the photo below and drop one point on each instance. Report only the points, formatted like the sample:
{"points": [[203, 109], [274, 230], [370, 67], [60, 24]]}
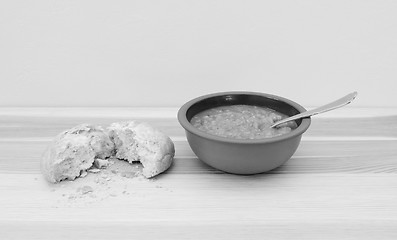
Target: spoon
{"points": [[327, 107]]}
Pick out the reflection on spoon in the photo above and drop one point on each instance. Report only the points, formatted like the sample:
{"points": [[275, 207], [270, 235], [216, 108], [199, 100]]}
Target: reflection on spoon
{"points": [[328, 107]]}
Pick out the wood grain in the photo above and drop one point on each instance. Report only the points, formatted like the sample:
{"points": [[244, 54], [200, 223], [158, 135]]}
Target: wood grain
{"points": [[340, 184]]}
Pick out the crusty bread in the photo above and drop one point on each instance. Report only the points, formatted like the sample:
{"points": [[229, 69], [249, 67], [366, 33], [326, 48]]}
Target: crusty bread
{"points": [[74, 151], [138, 141]]}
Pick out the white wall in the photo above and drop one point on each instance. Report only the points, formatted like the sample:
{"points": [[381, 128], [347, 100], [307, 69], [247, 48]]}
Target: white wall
{"points": [[163, 53]]}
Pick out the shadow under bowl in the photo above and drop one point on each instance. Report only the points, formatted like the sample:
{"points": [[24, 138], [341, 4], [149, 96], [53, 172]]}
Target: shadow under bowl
{"points": [[242, 156]]}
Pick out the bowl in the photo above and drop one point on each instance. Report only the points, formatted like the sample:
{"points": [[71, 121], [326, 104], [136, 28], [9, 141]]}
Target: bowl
{"points": [[242, 156]]}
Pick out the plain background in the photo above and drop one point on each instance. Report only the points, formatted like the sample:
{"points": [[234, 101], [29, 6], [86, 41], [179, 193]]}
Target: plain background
{"points": [[163, 53]]}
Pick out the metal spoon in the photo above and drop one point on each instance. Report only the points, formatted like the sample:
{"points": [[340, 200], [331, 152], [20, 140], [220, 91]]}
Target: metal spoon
{"points": [[328, 107]]}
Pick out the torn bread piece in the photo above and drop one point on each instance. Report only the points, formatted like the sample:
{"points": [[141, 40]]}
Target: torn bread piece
{"points": [[102, 163], [73, 151], [139, 141]]}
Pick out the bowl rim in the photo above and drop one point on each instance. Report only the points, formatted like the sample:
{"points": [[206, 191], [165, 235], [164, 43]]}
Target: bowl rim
{"points": [[190, 128]]}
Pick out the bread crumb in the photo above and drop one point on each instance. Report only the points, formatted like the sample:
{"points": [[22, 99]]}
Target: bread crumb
{"points": [[94, 170], [83, 174], [101, 163], [85, 189]]}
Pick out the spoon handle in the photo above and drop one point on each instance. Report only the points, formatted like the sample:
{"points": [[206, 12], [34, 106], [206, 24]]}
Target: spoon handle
{"points": [[325, 108]]}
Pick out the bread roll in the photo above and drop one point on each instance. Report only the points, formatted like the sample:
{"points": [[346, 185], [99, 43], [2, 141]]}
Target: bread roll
{"points": [[74, 151], [138, 141]]}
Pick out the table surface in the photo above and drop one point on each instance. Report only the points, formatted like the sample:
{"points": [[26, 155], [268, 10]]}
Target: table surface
{"points": [[340, 184]]}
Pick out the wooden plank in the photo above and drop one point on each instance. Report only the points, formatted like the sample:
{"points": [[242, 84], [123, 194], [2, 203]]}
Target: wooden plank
{"points": [[276, 229], [44, 124], [182, 203], [311, 157], [340, 184]]}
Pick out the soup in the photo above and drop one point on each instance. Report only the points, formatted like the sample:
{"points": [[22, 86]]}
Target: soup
{"points": [[242, 122]]}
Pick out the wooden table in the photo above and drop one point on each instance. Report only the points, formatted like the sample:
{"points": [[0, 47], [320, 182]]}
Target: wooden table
{"points": [[340, 184]]}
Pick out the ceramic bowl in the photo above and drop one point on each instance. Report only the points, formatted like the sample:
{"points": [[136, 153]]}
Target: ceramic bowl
{"points": [[242, 156]]}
